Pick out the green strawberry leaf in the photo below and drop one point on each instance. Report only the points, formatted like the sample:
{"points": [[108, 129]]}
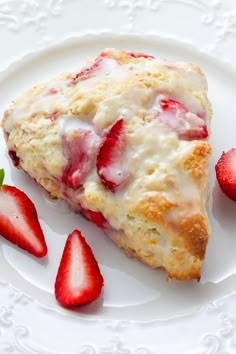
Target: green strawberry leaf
{"points": [[2, 175]]}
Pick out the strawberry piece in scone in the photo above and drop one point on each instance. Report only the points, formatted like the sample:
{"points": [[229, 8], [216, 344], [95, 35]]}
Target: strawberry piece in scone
{"points": [[187, 124], [95, 217], [88, 71], [110, 160], [14, 158], [79, 148], [140, 55]]}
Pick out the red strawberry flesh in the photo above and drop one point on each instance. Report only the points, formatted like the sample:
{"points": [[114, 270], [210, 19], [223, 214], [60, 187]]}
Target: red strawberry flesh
{"points": [[19, 221], [96, 217], [226, 173], [110, 160], [140, 55], [172, 106], [187, 125], [88, 71], [79, 281], [15, 159], [79, 149]]}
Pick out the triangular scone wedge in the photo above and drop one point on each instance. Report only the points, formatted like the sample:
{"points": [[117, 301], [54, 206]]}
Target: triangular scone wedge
{"points": [[124, 141]]}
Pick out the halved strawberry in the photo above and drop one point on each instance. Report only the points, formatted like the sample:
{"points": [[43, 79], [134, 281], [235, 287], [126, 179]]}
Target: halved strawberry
{"points": [[187, 125], [78, 281], [226, 173], [79, 148], [19, 222], [110, 159]]}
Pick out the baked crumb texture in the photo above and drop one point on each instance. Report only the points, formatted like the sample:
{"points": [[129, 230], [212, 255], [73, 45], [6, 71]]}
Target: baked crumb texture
{"points": [[158, 213]]}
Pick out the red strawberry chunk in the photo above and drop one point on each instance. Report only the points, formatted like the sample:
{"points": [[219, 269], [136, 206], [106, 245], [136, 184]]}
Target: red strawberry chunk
{"points": [[88, 71], [140, 55], [188, 126], [194, 133], [19, 222], [172, 106], [78, 281], [226, 173], [15, 159], [111, 155], [79, 148], [96, 217]]}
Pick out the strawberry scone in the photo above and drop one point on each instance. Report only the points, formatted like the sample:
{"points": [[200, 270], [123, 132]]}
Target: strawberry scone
{"points": [[124, 142]]}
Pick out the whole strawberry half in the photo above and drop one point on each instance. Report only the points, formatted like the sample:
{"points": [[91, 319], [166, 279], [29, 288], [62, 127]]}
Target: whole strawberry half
{"points": [[111, 166], [78, 281], [226, 173], [19, 222]]}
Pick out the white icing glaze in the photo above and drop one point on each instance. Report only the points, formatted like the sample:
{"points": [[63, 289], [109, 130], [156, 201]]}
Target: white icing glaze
{"points": [[108, 70], [43, 101], [69, 123]]}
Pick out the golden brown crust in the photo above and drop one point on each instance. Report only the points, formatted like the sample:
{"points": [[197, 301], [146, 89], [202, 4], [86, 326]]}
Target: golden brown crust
{"points": [[196, 163], [195, 233], [154, 207]]}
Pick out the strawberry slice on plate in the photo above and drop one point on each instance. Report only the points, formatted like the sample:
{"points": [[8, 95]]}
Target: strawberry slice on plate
{"points": [[19, 222], [110, 159], [79, 281], [226, 173]]}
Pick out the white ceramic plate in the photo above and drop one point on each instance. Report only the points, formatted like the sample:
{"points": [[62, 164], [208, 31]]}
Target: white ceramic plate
{"points": [[135, 297]]}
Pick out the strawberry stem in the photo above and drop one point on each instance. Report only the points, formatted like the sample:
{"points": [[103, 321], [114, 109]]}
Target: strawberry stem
{"points": [[2, 175]]}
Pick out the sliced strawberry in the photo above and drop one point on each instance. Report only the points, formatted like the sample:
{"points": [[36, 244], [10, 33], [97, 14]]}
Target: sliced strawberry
{"points": [[140, 55], [226, 173], [19, 222], [172, 106], [88, 71], [79, 148], [188, 125], [78, 281], [96, 217], [194, 133], [110, 158]]}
